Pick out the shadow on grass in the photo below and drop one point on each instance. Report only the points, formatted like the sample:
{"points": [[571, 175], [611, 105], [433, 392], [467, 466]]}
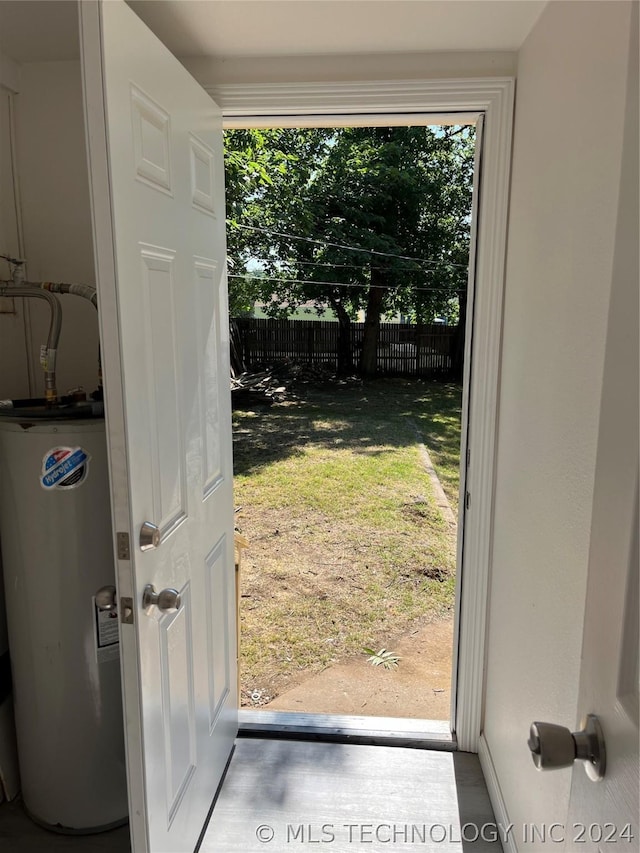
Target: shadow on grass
{"points": [[364, 420]]}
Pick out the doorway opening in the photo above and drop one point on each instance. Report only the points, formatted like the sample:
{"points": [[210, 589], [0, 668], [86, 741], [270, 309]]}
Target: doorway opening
{"points": [[349, 286]]}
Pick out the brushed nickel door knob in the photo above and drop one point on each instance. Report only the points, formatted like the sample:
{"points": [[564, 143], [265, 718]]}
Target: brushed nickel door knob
{"points": [[168, 600], [106, 598], [553, 747]]}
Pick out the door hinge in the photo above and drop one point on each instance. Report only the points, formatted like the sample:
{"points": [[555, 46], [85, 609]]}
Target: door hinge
{"points": [[124, 551], [467, 500], [126, 610], [468, 456]]}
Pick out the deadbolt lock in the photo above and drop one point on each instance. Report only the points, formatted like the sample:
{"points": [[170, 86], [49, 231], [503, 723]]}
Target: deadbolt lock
{"points": [[149, 536]]}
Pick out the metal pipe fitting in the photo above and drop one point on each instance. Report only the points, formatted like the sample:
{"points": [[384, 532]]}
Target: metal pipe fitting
{"points": [[84, 290], [87, 291], [49, 359]]}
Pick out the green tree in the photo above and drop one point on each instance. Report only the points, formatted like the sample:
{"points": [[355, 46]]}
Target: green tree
{"points": [[384, 213]]}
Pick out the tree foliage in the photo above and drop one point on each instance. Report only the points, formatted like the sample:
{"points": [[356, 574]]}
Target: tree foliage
{"points": [[384, 213]]}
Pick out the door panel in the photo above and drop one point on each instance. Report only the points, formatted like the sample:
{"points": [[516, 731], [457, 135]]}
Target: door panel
{"points": [[604, 816], [155, 150], [218, 600], [178, 712], [208, 305], [163, 360]]}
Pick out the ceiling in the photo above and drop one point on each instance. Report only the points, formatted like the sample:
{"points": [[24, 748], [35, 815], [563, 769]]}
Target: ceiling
{"points": [[302, 27], [47, 29]]}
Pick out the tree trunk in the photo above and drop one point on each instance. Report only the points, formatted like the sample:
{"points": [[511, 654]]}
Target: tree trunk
{"points": [[369, 357], [345, 355], [237, 359], [418, 342]]}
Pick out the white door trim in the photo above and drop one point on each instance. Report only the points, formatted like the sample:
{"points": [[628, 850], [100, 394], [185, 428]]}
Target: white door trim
{"points": [[254, 105]]}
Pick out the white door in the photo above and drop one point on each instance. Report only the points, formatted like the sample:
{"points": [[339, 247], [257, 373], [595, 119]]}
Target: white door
{"points": [[603, 816], [156, 170]]}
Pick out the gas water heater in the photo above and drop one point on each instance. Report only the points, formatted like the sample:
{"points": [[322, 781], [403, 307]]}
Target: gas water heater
{"points": [[57, 552]]}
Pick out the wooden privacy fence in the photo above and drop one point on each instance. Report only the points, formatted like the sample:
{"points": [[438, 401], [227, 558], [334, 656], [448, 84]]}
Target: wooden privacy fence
{"points": [[403, 349]]}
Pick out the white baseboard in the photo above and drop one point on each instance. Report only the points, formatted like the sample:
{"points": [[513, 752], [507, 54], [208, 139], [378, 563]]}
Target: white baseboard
{"points": [[495, 795]]}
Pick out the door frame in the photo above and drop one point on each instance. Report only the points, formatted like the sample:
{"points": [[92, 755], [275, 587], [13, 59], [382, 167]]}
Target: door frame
{"points": [[308, 104]]}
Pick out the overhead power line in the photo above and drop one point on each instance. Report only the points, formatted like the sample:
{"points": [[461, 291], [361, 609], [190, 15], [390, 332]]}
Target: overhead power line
{"points": [[452, 291], [349, 248], [296, 262]]}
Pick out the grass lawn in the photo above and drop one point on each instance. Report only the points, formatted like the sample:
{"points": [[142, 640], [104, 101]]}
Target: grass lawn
{"points": [[347, 547]]}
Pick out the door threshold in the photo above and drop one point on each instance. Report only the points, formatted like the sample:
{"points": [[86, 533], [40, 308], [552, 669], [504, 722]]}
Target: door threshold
{"points": [[387, 731]]}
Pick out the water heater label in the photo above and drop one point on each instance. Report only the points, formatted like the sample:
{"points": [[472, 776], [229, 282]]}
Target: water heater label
{"points": [[107, 634], [64, 468]]}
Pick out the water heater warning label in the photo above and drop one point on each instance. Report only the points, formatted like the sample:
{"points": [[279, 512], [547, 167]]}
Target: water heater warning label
{"points": [[64, 468], [107, 634]]}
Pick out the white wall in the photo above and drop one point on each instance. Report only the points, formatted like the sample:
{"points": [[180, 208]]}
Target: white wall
{"points": [[13, 362], [13, 368], [50, 160], [54, 200], [210, 71], [565, 185]]}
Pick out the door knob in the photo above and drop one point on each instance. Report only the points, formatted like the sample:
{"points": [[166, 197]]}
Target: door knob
{"points": [[167, 600], [149, 536], [106, 598], [555, 746]]}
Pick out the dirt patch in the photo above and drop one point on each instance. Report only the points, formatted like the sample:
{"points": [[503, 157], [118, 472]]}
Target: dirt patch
{"points": [[420, 688], [313, 595]]}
